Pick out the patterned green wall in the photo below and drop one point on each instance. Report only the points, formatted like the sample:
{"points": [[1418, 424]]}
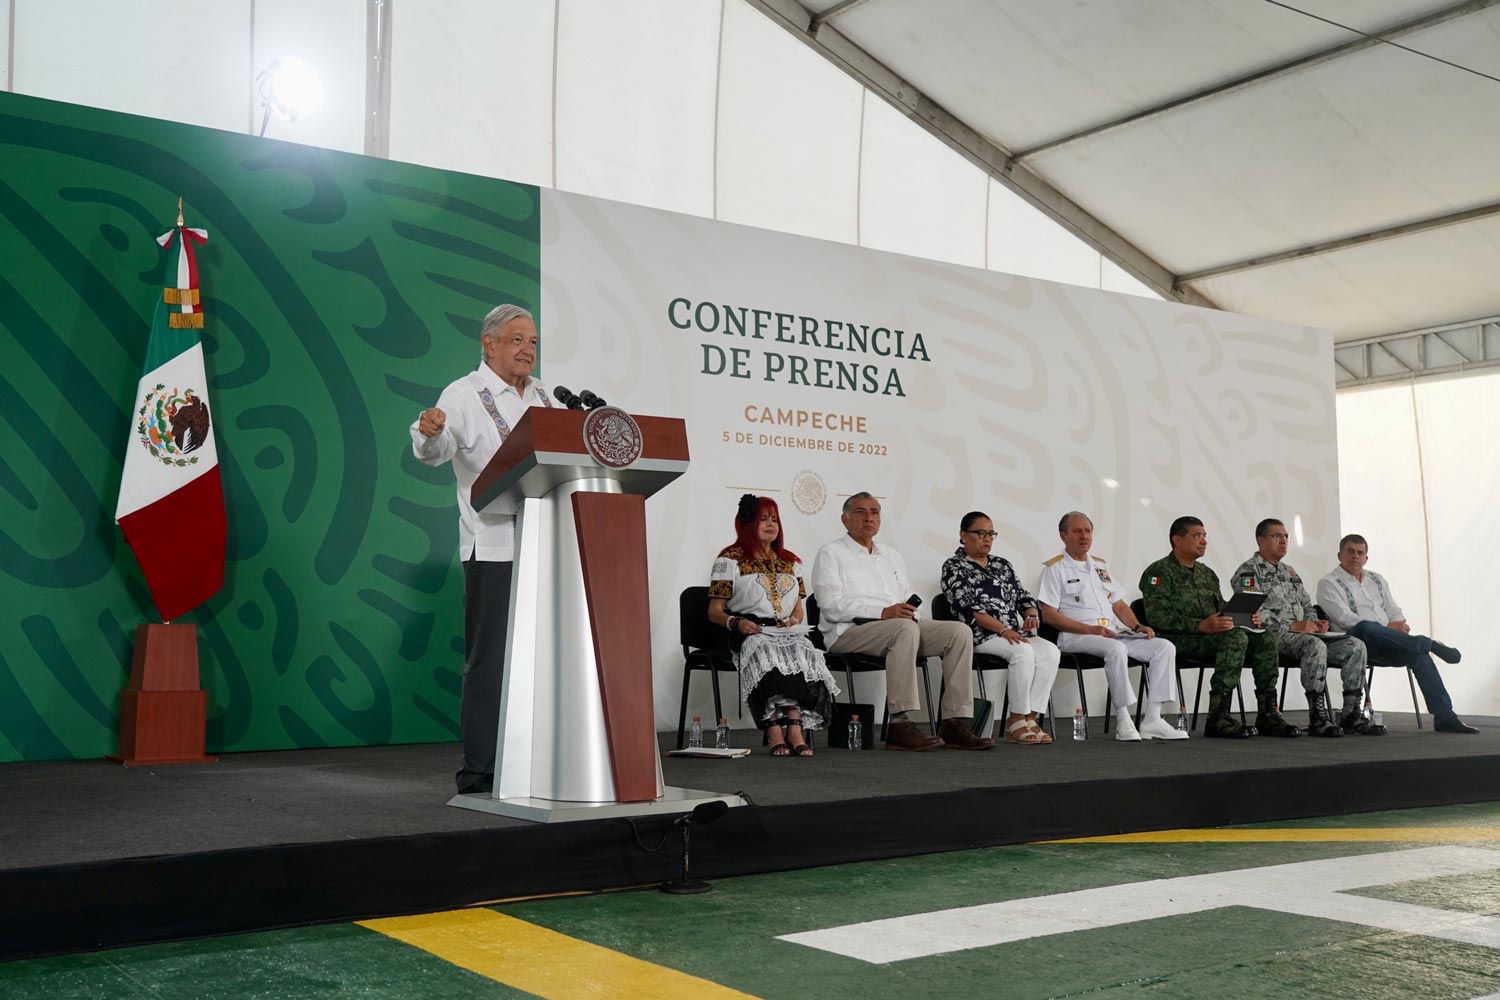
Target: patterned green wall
{"points": [[341, 292]]}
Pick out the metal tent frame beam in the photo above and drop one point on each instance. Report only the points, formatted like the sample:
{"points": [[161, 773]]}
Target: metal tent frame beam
{"points": [[825, 39], [1264, 76], [1399, 357]]}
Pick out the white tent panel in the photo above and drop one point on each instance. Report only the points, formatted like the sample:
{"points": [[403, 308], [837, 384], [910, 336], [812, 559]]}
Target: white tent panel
{"points": [[118, 56], [1114, 278], [635, 101], [1427, 279], [329, 37], [1024, 241], [917, 196], [1460, 544], [472, 90], [5, 8], [1024, 73], [788, 140]]}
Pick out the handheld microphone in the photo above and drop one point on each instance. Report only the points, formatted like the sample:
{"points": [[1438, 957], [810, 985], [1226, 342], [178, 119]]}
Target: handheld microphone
{"points": [[590, 400], [565, 396]]}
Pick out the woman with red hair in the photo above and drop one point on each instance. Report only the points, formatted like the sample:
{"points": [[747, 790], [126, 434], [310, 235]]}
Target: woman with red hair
{"points": [[755, 591]]}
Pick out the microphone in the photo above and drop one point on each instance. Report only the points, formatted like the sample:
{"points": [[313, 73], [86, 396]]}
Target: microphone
{"points": [[590, 400], [565, 396]]}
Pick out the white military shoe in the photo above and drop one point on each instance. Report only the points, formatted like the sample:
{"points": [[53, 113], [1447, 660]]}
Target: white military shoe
{"points": [[1125, 731], [1161, 729]]}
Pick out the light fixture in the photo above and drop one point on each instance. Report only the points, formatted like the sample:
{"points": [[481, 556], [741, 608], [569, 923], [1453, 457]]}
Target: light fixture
{"points": [[290, 89], [1297, 529], [1111, 482]]}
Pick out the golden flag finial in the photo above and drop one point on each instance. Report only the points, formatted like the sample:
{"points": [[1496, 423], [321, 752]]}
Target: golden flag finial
{"points": [[179, 211]]}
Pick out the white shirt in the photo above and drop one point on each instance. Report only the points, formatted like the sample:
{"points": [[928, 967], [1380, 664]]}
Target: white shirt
{"points": [[1348, 601], [1083, 590], [851, 582], [469, 439]]}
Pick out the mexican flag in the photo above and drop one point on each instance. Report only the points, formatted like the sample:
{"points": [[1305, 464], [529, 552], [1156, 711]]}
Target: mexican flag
{"points": [[171, 503]]}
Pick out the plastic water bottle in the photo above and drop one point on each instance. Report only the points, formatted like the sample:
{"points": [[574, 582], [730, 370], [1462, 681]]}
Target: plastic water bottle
{"points": [[721, 739], [856, 734], [695, 735], [1079, 724], [1370, 713], [1182, 718]]}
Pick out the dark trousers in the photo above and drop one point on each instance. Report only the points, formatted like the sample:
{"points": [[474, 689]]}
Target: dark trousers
{"points": [[486, 617], [1386, 645]]}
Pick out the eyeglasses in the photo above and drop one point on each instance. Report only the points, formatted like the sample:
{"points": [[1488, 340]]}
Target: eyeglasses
{"points": [[986, 535], [1278, 536]]}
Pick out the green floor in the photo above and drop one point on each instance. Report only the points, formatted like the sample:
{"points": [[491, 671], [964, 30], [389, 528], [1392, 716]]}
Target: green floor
{"points": [[729, 936]]}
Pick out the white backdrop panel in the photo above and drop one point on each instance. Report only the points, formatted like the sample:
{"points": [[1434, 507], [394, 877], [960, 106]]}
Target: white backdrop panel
{"points": [[916, 195], [1035, 398], [1461, 464], [788, 140], [330, 37], [635, 101], [5, 8], [472, 90], [119, 56]]}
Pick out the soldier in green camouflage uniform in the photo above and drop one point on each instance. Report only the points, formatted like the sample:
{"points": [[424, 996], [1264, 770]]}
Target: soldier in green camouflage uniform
{"points": [[1289, 615], [1183, 601]]}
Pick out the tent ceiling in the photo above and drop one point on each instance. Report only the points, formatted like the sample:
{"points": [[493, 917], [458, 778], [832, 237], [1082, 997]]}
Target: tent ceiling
{"points": [[1140, 113]]}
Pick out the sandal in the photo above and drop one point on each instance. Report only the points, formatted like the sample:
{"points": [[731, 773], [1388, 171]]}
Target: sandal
{"points": [[798, 749], [1023, 732], [778, 749], [1043, 736]]}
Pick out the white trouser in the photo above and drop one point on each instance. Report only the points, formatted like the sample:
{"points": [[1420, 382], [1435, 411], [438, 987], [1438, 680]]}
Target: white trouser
{"points": [[1030, 669], [1159, 654]]}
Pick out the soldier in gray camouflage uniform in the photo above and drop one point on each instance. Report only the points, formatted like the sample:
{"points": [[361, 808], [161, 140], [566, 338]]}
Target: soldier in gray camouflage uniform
{"points": [[1289, 615]]}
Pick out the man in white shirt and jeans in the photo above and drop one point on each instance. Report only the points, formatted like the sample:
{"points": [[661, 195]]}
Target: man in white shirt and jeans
{"points": [[472, 418], [862, 588], [1359, 602]]}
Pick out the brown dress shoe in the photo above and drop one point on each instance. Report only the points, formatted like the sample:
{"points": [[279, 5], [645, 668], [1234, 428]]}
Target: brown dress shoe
{"points": [[905, 735], [957, 735]]}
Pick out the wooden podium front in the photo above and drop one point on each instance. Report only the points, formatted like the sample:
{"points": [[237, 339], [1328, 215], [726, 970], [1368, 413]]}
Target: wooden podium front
{"points": [[577, 734]]}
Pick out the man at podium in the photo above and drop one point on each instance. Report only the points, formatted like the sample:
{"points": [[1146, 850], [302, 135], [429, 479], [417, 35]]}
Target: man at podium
{"points": [[471, 420]]}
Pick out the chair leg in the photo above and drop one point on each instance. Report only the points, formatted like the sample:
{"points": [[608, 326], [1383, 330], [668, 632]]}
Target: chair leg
{"points": [[1051, 718], [1411, 679], [1083, 703], [849, 677], [979, 684], [1239, 692], [1286, 675], [718, 702], [885, 719], [1197, 699], [1140, 698], [932, 708], [1109, 705], [687, 679]]}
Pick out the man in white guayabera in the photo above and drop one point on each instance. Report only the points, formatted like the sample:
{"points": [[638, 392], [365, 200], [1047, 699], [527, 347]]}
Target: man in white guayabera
{"points": [[471, 420], [1087, 607]]}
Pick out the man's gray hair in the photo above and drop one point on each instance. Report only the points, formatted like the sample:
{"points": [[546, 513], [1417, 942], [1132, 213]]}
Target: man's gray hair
{"points": [[1062, 525], [497, 318], [862, 495]]}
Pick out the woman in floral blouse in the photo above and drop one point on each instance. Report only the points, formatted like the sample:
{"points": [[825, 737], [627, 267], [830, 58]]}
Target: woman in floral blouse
{"points": [[984, 593], [757, 584]]}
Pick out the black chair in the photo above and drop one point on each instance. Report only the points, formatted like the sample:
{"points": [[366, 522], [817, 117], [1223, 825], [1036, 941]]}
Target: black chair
{"points": [[853, 663], [705, 646], [942, 611], [1138, 608]]}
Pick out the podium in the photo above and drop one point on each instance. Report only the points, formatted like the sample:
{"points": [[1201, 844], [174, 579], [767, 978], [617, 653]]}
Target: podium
{"points": [[577, 734]]}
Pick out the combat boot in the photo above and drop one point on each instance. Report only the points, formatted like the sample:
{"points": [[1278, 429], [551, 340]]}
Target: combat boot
{"points": [[1355, 720], [1220, 722], [1269, 721], [1320, 719]]}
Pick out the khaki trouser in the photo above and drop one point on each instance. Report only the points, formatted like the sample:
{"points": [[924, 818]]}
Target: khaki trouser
{"points": [[901, 641]]}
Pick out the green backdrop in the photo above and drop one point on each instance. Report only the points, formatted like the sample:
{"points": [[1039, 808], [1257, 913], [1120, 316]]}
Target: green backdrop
{"points": [[341, 294]]}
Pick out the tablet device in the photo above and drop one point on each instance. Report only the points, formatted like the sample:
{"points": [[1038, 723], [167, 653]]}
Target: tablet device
{"points": [[1241, 606]]}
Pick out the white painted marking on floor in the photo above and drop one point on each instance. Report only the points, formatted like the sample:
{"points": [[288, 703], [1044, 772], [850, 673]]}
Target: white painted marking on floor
{"points": [[1309, 888]]}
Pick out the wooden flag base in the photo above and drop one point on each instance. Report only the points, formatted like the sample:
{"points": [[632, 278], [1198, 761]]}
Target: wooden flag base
{"points": [[163, 713]]}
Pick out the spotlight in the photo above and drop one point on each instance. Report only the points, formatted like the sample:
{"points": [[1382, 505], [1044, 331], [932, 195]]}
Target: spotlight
{"points": [[290, 88], [706, 813]]}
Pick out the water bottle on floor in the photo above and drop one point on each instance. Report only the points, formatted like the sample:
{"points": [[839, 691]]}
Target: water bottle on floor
{"points": [[1080, 732], [1370, 713], [695, 735], [856, 734], [721, 740], [1182, 719]]}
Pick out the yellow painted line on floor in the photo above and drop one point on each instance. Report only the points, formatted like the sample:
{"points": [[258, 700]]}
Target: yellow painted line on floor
{"points": [[542, 961], [1351, 835]]}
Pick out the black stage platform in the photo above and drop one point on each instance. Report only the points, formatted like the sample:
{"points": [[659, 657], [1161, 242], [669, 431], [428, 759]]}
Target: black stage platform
{"points": [[94, 855]]}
